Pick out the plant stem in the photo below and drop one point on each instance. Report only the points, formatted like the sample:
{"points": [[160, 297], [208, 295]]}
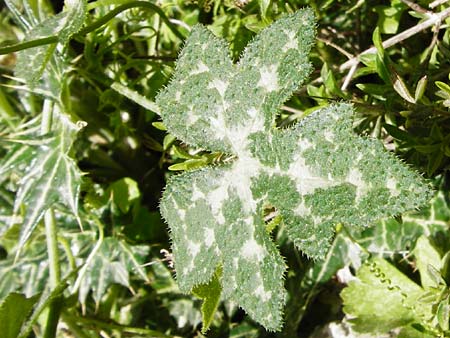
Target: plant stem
{"points": [[52, 246], [51, 234], [433, 20]]}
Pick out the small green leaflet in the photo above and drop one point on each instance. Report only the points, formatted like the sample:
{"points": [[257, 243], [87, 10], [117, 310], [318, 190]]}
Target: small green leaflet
{"points": [[31, 62], [210, 293], [316, 174]]}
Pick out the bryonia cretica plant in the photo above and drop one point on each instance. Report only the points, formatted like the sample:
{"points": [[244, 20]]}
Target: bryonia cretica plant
{"points": [[317, 174]]}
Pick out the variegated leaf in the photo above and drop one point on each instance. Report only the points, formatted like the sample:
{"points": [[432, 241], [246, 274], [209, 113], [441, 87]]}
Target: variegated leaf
{"points": [[316, 175], [31, 62], [51, 176]]}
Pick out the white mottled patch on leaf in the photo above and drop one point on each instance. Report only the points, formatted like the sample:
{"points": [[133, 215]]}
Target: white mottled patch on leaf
{"points": [[306, 180], [292, 42], [304, 144], [217, 121], [219, 85], [194, 248], [201, 68], [261, 293], [181, 214], [209, 237], [391, 184], [355, 177], [196, 194], [302, 210], [329, 135], [251, 250], [241, 176], [269, 78], [216, 198]]}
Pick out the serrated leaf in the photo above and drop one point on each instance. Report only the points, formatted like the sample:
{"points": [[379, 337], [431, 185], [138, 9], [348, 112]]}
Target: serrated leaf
{"points": [[390, 299], [112, 263], [14, 310], [31, 62], [210, 294], [316, 175]]}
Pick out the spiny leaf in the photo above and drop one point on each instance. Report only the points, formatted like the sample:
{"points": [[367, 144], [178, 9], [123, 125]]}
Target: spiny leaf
{"points": [[316, 175], [51, 177], [31, 62]]}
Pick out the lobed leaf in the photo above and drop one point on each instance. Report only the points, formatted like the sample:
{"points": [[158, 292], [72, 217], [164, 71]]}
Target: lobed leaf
{"points": [[211, 103], [316, 175]]}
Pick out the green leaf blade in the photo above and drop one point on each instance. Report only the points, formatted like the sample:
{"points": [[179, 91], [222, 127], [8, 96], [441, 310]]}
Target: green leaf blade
{"points": [[391, 299], [210, 293]]}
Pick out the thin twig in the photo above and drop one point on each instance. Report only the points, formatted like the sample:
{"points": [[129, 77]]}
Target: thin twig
{"points": [[416, 7], [338, 48], [433, 20], [349, 77], [437, 3]]}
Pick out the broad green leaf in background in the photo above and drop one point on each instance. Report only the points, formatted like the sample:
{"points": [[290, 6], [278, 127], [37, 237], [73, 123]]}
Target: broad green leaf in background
{"points": [[428, 260], [316, 175], [31, 62], [14, 310], [124, 193], [389, 16], [382, 298]]}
